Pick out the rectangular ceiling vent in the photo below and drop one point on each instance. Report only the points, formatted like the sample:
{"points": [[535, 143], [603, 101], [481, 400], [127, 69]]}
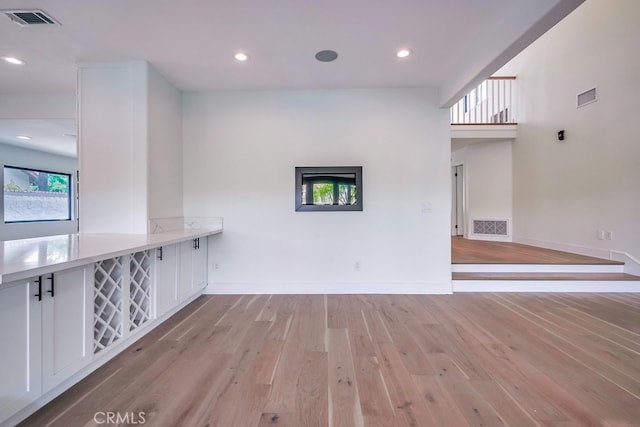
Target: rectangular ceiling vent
{"points": [[587, 97], [26, 18]]}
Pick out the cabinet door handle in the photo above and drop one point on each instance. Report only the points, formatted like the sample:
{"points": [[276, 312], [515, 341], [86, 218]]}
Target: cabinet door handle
{"points": [[39, 294], [160, 253], [196, 243], [52, 290]]}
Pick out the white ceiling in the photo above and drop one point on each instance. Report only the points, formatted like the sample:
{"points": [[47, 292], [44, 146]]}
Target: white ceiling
{"points": [[192, 42], [56, 136], [456, 44]]}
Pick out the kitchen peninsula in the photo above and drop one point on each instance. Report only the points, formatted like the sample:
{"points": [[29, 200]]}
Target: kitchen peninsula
{"points": [[69, 303]]}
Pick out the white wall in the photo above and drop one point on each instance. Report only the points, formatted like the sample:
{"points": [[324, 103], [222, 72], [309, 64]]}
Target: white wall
{"points": [[130, 147], [488, 183], [113, 147], [565, 191], [240, 151], [165, 147], [20, 157], [38, 106]]}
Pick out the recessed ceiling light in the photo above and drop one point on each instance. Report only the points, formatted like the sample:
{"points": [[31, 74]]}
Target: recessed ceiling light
{"points": [[241, 56], [13, 60], [25, 137], [403, 53]]}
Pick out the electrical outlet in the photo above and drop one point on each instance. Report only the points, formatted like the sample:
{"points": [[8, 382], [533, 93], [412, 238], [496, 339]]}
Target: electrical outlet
{"points": [[600, 235], [356, 265], [216, 266], [608, 235]]}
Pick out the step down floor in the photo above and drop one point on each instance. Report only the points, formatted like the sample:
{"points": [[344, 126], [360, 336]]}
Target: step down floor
{"points": [[482, 266]]}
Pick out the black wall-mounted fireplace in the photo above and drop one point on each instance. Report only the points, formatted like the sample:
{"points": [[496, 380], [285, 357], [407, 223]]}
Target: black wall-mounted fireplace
{"points": [[333, 188]]}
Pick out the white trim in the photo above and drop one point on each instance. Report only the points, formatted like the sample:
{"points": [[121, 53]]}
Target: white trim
{"points": [[632, 264], [536, 268], [311, 288], [545, 286]]}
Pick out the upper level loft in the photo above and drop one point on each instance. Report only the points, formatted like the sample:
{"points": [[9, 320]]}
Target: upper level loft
{"points": [[487, 112]]}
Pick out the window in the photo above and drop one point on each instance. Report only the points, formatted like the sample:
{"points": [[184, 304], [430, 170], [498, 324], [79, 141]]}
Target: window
{"points": [[336, 188], [33, 195]]}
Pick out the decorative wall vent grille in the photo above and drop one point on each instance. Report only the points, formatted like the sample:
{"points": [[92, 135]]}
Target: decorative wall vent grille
{"points": [[139, 289], [107, 303], [26, 18], [491, 227], [587, 97]]}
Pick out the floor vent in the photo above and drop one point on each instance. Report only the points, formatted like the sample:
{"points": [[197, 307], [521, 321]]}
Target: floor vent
{"points": [[26, 18], [491, 227], [587, 97]]}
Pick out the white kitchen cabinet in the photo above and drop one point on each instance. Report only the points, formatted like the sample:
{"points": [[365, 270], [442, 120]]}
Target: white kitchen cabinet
{"points": [[106, 290], [66, 325], [166, 278], [192, 267], [21, 338], [199, 264], [44, 325]]}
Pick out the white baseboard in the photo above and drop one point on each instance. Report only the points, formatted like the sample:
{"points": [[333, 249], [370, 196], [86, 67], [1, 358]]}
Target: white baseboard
{"points": [[544, 286], [328, 288], [536, 268], [565, 247], [631, 266]]}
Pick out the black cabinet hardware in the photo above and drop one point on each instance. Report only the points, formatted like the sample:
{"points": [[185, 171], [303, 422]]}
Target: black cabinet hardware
{"points": [[39, 294], [160, 253], [52, 290], [196, 243]]}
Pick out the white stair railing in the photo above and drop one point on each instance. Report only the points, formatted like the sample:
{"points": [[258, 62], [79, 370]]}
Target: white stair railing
{"points": [[491, 102]]}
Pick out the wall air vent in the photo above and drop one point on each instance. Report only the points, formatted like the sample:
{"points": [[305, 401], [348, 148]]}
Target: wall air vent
{"points": [[587, 97], [491, 227], [26, 18]]}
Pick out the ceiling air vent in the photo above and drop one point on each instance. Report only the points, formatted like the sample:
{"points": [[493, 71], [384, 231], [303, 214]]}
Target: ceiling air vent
{"points": [[30, 17], [587, 97]]}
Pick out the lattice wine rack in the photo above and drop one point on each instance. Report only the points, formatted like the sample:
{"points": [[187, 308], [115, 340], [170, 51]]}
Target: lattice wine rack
{"points": [[139, 289], [107, 303], [116, 305]]}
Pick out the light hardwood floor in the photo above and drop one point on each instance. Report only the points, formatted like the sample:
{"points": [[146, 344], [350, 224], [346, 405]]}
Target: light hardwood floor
{"points": [[376, 360], [467, 251]]}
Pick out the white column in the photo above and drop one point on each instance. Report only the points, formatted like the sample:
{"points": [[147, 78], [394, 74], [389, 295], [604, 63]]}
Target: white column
{"points": [[113, 140]]}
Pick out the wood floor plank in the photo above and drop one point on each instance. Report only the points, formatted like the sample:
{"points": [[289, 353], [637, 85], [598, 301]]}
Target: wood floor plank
{"points": [[312, 400], [360, 340], [439, 402], [344, 400], [282, 398], [266, 361], [409, 407], [375, 401], [337, 308]]}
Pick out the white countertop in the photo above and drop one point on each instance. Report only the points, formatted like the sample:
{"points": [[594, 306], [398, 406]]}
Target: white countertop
{"points": [[25, 258]]}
